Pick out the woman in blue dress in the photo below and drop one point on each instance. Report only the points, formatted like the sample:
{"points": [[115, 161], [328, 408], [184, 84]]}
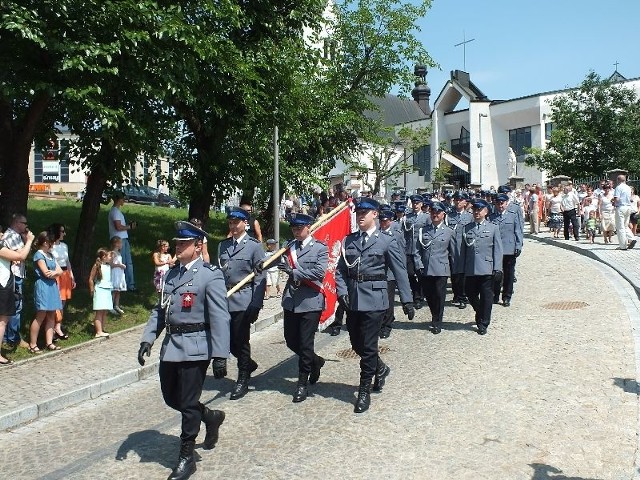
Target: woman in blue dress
{"points": [[46, 294]]}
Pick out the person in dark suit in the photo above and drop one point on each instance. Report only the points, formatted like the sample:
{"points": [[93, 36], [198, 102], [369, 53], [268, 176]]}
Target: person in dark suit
{"points": [[361, 282], [482, 259], [238, 256], [435, 247], [457, 220], [303, 300], [387, 225], [194, 313], [512, 240]]}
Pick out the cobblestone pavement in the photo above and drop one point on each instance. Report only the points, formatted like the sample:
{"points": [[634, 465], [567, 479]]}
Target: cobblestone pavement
{"points": [[549, 393]]}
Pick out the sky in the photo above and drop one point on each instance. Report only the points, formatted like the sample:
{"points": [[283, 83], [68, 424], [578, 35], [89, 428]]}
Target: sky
{"points": [[527, 47]]}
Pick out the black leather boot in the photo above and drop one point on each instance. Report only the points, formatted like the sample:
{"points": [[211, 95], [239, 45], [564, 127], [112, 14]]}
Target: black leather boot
{"points": [[186, 462], [364, 397], [382, 372], [242, 385], [212, 420], [318, 363], [301, 389]]}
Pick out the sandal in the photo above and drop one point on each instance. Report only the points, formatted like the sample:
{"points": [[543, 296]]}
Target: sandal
{"points": [[57, 336], [34, 350], [51, 346]]}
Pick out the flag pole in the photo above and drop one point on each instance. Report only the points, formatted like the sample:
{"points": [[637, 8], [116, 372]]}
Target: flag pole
{"points": [[319, 222]]}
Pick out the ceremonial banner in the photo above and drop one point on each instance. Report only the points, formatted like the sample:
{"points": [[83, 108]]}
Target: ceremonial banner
{"points": [[332, 234]]}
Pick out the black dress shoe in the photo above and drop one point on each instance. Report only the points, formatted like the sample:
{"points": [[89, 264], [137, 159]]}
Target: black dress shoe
{"points": [[318, 363], [212, 420], [506, 303], [364, 399], [462, 305], [335, 331], [385, 334], [417, 304], [186, 462], [381, 374], [482, 331], [496, 300], [436, 330]]}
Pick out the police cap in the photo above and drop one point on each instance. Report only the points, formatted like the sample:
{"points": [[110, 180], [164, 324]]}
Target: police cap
{"points": [[188, 231]]}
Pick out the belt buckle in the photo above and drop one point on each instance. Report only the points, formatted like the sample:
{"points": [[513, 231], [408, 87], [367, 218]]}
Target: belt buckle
{"points": [[360, 277]]}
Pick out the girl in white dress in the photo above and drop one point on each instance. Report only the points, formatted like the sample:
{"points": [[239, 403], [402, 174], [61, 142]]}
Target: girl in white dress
{"points": [[100, 290], [162, 261], [117, 275]]}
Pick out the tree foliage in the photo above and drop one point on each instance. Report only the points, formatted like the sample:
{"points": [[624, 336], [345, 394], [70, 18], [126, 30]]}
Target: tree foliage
{"points": [[596, 128]]}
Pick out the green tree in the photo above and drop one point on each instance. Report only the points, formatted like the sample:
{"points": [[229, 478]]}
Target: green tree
{"points": [[596, 127]]}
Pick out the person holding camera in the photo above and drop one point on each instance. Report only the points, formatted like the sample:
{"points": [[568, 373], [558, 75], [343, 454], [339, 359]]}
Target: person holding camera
{"points": [[118, 227]]}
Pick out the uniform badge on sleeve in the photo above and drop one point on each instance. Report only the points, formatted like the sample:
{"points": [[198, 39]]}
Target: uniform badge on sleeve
{"points": [[187, 299]]}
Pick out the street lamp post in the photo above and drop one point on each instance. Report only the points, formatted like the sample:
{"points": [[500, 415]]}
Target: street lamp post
{"points": [[480, 116]]}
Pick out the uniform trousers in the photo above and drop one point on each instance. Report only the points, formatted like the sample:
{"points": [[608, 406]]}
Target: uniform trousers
{"points": [[389, 315], [413, 279], [364, 329], [181, 385], [435, 288], [240, 335], [457, 286], [299, 333], [480, 293], [508, 274]]}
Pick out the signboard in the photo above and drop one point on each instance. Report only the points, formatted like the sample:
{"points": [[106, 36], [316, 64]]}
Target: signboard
{"points": [[50, 171]]}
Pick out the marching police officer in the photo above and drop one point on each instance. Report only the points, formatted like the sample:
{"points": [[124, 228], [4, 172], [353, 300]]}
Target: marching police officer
{"points": [[194, 313], [457, 220], [361, 282], [411, 222], [435, 246], [512, 241], [512, 207], [303, 301], [238, 256], [388, 226], [482, 259]]}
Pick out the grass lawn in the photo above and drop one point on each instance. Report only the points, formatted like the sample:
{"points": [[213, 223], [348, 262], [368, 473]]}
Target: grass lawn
{"points": [[154, 223]]}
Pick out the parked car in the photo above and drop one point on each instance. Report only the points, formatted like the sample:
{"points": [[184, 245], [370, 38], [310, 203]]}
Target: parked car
{"points": [[142, 195]]}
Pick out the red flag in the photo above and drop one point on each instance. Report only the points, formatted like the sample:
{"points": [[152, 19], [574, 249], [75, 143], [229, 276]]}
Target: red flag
{"points": [[332, 234]]}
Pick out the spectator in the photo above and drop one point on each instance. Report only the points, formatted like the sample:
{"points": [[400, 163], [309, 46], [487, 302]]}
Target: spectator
{"points": [[253, 226], [534, 212], [14, 239], [162, 261], [7, 286], [570, 211], [591, 225], [622, 203], [66, 281], [46, 293], [606, 210], [118, 228], [205, 249], [273, 275], [118, 281], [635, 205], [100, 289], [555, 212]]}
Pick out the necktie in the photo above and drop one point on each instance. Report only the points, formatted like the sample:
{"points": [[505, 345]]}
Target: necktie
{"points": [[235, 245], [298, 245], [364, 239], [183, 270], [478, 226]]}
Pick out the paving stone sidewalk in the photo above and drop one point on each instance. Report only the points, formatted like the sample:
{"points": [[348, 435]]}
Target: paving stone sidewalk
{"points": [[41, 385]]}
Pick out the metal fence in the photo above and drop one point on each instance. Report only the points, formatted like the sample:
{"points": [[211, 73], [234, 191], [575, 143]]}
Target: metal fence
{"points": [[632, 180]]}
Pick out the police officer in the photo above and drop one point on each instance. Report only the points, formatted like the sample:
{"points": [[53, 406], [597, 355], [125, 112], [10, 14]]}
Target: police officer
{"points": [[435, 246], [361, 282], [457, 220], [482, 259], [512, 241], [388, 226], [512, 207], [193, 311], [411, 222], [238, 256], [303, 299]]}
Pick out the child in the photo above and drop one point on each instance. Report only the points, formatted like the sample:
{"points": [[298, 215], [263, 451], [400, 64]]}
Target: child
{"points": [[163, 261], [592, 225], [100, 288], [117, 275], [587, 208], [272, 271]]}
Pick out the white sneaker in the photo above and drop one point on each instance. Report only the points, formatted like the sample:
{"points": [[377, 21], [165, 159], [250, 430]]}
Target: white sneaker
{"points": [[119, 310], [101, 335]]}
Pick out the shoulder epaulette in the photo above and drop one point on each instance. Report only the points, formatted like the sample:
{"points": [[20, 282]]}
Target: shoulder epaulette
{"points": [[209, 266]]}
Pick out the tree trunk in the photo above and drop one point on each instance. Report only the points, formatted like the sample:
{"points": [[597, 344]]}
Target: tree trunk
{"points": [[84, 252]]}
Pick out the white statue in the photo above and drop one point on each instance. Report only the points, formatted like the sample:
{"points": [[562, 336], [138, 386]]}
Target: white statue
{"points": [[513, 163]]}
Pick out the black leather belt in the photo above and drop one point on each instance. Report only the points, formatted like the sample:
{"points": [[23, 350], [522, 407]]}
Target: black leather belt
{"points": [[368, 278], [187, 328]]}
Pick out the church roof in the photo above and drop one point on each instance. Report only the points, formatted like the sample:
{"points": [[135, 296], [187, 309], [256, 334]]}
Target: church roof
{"points": [[395, 110]]}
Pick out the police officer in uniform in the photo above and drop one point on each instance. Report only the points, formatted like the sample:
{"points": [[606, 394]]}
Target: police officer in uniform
{"points": [[411, 222], [361, 282], [512, 207], [435, 246], [512, 241], [194, 313], [303, 299], [457, 220], [482, 259], [238, 256], [388, 226]]}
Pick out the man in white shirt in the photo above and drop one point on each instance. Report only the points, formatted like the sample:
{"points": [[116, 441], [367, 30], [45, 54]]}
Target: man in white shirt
{"points": [[570, 210], [118, 228], [622, 202]]}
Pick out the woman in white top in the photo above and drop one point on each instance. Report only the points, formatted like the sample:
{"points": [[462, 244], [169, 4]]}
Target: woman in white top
{"points": [[66, 281], [635, 204], [554, 208], [7, 286], [606, 211]]}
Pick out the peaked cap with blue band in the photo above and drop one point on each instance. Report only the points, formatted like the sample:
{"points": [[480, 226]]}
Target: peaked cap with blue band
{"points": [[479, 203], [239, 213], [188, 231], [366, 203], [438, 207], [386, 215], [300, 219]]}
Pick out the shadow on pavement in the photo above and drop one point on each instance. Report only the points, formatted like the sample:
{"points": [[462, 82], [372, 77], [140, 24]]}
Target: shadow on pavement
{"points": [[542, 472], [470, 326], [152, 447], [629, 385]]}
